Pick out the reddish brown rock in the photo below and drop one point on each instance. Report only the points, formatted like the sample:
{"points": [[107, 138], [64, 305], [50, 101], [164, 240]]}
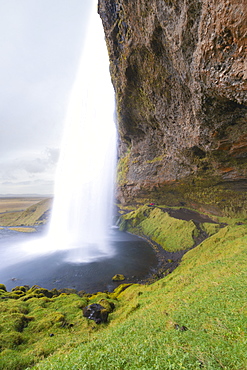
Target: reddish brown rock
{"points": [[179, 69]]}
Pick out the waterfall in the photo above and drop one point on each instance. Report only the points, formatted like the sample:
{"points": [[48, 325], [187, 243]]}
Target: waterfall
{"points": [[83, 194], [79, 228]]}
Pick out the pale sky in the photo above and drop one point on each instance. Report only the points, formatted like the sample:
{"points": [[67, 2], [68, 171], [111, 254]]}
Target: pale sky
{"points": [[41, 42]]}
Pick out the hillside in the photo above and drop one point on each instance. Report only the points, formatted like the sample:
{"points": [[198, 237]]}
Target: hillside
{"points": [[193, 318], [35, 214]]}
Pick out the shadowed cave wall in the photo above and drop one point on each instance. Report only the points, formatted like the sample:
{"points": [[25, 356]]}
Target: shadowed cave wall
{"points": [[180, 75]]}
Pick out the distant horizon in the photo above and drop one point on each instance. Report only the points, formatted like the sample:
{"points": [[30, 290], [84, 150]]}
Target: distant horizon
{"points": [[26, 195]]}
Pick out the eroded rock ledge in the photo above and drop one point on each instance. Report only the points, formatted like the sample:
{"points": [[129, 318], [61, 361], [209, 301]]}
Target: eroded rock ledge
{"points": [[180, 75]]}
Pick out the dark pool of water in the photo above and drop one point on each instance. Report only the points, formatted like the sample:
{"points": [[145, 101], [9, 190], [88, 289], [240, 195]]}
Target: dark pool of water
{"points": [[133, 257]]}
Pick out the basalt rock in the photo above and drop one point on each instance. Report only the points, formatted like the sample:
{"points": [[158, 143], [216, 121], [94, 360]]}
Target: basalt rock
{"points": [[180, 75], [96, 312]]}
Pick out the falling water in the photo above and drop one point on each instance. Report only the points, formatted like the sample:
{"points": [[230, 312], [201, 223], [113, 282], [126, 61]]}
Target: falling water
{"points": [[84, 180], [78, 231]]}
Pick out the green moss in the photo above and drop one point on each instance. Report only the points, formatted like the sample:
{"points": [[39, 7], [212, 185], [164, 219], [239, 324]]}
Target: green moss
{"points": [[48, 321], [11, 295], [16, 293], [118, 277], [20, 288], [171, 233], [123, 168], [26, 327], [134, 218], [143, 100], [10, 340], [119, 290], [107, 300], [107, 304], [156, 159], [3, 287], [210, 228], [26, 297]]}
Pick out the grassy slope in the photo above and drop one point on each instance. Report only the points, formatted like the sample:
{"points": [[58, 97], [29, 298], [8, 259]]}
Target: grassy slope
{"points": [[206, 294], [171, 233], [14, 204], [31, 216]]}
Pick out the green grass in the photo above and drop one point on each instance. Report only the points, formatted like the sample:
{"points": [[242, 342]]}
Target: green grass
{"points": [[206, 294], [171, 233], [210, 228]]}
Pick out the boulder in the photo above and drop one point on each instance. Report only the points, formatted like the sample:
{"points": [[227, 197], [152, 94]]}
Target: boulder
{"points": [[96, 312]]}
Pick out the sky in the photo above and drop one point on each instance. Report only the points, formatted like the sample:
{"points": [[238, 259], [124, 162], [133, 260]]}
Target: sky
{"points": [[41, 42]]}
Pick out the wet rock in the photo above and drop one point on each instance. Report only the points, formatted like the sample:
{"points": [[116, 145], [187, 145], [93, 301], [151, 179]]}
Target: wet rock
{"points": [[96, 312]]}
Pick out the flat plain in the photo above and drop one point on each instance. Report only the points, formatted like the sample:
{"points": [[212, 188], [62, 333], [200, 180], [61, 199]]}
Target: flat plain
{"points": [[24, 211], [14, 204]]}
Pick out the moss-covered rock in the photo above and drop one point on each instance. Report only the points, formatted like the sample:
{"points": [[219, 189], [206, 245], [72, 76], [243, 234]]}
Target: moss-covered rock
{"points": [[3, 287], [23, 289], [118, 277]]}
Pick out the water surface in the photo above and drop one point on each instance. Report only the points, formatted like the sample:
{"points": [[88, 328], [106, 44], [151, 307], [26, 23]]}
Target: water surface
{"points": [[132, 256]]}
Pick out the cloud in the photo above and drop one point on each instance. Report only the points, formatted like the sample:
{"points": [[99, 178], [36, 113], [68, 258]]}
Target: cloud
{"points": [[53, 155], [7, 183], [35, 166], [47, 161], [30, 169], [41, 43], [42, 187]]}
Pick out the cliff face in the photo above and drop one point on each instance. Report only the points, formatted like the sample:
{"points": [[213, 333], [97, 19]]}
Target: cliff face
{"points": [[179, 69]]}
